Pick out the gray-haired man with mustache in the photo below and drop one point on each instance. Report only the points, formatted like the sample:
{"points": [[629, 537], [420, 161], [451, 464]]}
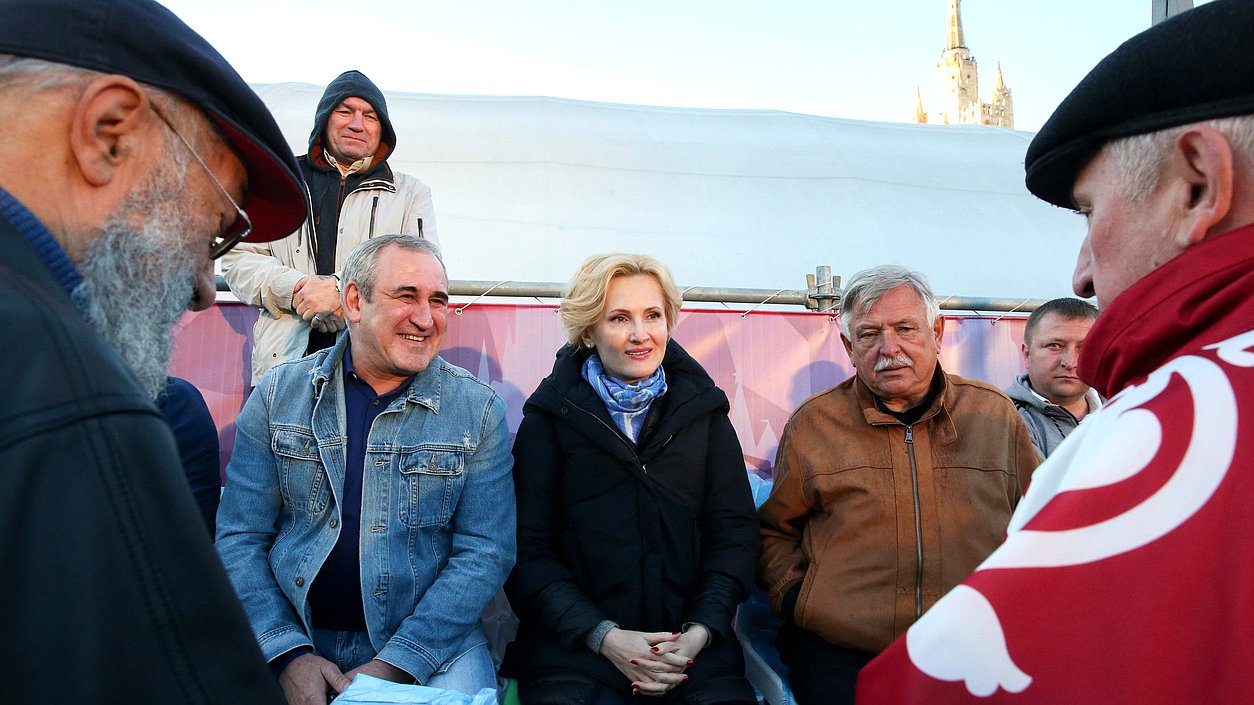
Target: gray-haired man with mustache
{"points": [[890, 488]]}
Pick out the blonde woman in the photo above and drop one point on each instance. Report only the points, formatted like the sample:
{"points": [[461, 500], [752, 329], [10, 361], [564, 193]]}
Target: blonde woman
{"points": [[636, 531]]}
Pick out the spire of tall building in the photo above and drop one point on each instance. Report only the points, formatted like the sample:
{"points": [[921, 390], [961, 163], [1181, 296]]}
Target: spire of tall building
{"points": [[1001, 111], [958, 78], [955, 39]]}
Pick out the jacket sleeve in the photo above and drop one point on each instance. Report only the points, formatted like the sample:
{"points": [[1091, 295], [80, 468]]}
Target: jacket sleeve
{"points": [[258, 278], [729, 533], [419, 206], [184, 408], [1025, 456], [782, 563], [542, 588], [483, 551], [248, 520]]}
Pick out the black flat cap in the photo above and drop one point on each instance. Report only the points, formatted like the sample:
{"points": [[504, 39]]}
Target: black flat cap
{"points": [[146, 42], [1198, 65]]}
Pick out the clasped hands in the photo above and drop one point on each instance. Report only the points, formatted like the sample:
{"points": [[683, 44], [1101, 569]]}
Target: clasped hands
{"points": [[317, 300], [654, 661]]}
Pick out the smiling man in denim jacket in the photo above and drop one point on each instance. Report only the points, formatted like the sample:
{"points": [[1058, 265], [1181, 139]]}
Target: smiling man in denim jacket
{"points": [[368, 516]]}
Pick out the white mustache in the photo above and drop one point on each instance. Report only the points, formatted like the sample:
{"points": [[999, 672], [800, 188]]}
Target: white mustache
{"points": [[898, 361]]}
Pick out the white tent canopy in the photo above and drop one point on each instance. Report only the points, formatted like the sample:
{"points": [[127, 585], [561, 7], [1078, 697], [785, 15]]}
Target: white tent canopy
{"points": [[526, 188]]}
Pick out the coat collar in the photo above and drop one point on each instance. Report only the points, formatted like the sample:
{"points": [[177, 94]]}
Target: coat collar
{"points": [[378, 175], [1203, 296], [937, 415], [424, 389], [24, 223], [690, 394]]}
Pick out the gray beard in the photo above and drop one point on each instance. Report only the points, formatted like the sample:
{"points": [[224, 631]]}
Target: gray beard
{"points": [[138, 277]]}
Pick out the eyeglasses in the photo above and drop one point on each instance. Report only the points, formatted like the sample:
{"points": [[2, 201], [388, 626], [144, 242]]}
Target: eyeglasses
{"points": [[237, 230]]}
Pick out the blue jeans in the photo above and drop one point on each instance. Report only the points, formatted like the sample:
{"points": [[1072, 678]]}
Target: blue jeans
{"points": [[467, 672], [819, 671]]}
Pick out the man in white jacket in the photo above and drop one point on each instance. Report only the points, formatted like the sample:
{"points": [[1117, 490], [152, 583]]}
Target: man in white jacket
{"points": [[354, 196]]}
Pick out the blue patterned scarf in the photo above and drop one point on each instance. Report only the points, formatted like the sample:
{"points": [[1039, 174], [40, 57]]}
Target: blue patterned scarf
{"points": [[628, 404]]}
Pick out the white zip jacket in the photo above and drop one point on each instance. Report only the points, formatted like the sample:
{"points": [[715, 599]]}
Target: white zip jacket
{"points": [[264, 274]]}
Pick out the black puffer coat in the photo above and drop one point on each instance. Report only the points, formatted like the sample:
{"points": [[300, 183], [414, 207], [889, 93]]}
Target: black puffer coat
{"points": [[650, 536]]}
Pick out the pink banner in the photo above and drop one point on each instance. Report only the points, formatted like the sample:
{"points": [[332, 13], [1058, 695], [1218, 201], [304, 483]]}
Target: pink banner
{"points": [[767, 362]]}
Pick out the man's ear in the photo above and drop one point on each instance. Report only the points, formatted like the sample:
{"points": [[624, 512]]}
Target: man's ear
{"points": [[107, 128], [938, 329], [1024, 349], [352, 303], [848, 350], [1204, 160]]}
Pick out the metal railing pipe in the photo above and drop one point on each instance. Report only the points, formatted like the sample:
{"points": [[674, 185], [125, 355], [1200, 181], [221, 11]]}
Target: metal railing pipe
{"points": [[714, 294]]}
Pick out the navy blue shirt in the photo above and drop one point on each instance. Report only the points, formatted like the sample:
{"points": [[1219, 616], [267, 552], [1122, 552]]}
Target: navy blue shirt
{"points": [[50, 251], [335, 598]]}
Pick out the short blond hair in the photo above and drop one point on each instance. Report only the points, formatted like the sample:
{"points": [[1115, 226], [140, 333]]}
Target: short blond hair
{"points": [[583, 301]]}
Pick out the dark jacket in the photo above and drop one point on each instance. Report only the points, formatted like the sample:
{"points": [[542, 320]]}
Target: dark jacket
{"points": [[196, 436], [650, 536], [111, 591]]}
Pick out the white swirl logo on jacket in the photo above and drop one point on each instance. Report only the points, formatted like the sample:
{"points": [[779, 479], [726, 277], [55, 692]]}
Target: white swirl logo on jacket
{"points": [[962, 638]]}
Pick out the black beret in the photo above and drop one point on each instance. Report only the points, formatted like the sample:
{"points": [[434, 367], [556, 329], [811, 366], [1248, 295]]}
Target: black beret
{"points": [[146, 42], [1198, 65]]}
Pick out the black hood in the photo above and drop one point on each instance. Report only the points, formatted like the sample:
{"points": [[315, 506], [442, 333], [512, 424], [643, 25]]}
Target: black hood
{"points": [[352, 84]]}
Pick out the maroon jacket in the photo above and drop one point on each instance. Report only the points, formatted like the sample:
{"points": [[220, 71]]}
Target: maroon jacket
{"points": [[1128, 574]]}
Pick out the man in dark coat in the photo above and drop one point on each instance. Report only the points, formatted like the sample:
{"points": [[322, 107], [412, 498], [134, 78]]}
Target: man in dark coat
{"points": [[137, 142]]}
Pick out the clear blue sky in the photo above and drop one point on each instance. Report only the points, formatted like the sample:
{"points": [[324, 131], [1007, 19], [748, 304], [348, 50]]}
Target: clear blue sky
{"points": [[827, 57]]}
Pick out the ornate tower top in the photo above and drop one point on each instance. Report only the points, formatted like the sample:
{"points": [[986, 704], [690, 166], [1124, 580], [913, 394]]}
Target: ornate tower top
{"points": [[955, 39], [959, 82]]}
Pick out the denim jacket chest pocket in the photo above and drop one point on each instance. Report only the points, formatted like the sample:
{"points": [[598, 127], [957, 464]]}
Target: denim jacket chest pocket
{"points": [[302, 479], [431, 483]]}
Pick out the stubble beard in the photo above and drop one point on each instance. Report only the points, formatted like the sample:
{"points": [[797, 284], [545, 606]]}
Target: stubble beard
{"points": [[139, 274]]}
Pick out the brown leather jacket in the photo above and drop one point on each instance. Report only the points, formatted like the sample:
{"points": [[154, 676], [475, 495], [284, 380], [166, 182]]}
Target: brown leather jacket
{"points": [[879, 520]]}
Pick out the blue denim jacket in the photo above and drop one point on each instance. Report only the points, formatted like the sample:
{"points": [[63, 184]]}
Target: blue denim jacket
{"points": [[437, 515]]}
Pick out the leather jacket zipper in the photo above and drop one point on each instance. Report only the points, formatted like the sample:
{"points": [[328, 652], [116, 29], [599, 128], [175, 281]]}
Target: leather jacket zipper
{"points": [[918, 526]]}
